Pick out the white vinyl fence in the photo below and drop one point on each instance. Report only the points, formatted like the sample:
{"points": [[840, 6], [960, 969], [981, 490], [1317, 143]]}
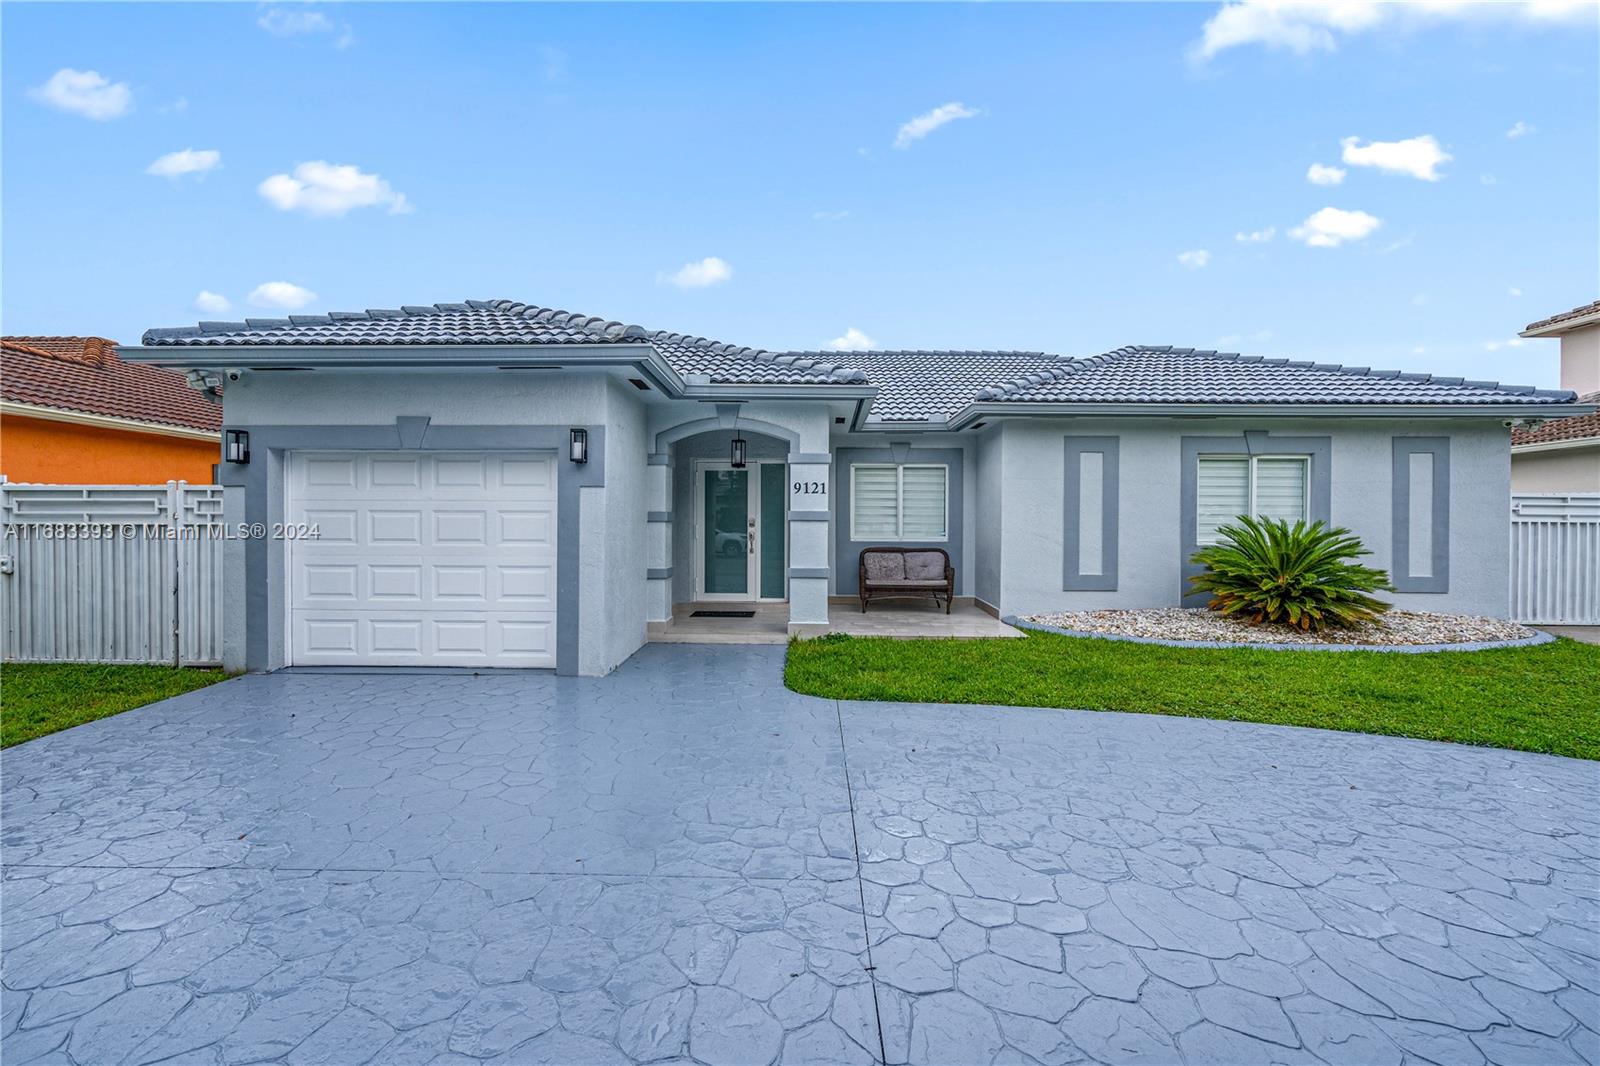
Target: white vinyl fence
{"points": [[112, 573], [1555, 558]]}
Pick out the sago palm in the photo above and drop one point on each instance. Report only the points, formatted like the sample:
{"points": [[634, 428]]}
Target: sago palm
{"points": [[1266, 570]]}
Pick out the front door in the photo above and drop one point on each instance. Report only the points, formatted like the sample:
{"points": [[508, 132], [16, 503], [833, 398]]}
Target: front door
{"points": [[740, 548]]}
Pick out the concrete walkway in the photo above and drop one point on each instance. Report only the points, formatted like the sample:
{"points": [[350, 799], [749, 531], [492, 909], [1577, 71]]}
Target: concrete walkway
{"points": [[685, 861]]}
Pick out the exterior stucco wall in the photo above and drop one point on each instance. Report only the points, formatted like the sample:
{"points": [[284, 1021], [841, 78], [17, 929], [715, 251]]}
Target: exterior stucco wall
{"points": [[1580, 360], [1562, 470], [612, 626], [988, 518], [1149, 503], [494, 409]]}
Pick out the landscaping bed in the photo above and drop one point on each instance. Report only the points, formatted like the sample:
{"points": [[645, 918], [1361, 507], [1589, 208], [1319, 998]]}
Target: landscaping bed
{"points": [[41, 698], [1392, 629], [1542, 698]]}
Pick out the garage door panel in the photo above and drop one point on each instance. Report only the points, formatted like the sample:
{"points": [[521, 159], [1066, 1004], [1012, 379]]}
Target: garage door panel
{"points": [[442, 558], [395, 472], [457, 528], [387, 527], [526, 586]]}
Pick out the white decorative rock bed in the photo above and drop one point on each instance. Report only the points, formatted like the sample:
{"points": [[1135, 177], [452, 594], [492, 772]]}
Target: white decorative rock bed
{"points": [[1403, 631]]}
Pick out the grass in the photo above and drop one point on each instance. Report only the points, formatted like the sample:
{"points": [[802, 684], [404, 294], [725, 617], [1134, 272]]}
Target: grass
{"points": [[1544, 698], [37, 699]]}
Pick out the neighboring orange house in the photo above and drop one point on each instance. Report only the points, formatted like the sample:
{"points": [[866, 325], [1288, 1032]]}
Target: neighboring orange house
{"points": [[72, 413]]}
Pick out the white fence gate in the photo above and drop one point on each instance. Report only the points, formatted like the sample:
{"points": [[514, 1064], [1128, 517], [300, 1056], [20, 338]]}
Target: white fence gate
{"points": [[112, 573], [1555, 558]]}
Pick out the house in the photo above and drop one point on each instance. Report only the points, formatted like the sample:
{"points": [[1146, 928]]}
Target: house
{"points": [[73, 413], [1564, 456], [493, 483]]}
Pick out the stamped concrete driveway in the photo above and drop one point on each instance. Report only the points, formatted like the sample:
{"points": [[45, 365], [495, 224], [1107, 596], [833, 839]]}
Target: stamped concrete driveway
{"points": [[685, 861]]}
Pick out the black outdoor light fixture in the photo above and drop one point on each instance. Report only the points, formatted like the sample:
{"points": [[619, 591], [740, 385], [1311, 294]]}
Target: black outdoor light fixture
{"points": [[578, 450], [236, 446], [738, 452]]}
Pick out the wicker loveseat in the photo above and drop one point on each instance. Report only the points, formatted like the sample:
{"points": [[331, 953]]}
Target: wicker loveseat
{"points": [[906, 572]]}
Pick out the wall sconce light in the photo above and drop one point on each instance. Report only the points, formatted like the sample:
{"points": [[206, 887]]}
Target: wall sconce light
{"points": [[578, 450], [738, 453], [236, 446]]}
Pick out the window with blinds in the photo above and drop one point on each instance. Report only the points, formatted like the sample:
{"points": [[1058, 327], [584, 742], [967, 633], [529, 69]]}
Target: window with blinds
{"points": [[898, 502], [1266, 486]]}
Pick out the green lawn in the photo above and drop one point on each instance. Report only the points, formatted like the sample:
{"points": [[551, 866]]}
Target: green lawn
{"points": [[41, 698], [1544, 698]]}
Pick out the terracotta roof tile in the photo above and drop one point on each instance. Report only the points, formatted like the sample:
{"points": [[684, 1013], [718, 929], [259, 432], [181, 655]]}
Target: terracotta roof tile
{"points": [[1555, 320], [83, 374], [1584, 427]]}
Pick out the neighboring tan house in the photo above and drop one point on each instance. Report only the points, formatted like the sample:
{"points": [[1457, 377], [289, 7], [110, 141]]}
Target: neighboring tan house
{"points": [[1564, 456], [492, 483], [73, 413]]}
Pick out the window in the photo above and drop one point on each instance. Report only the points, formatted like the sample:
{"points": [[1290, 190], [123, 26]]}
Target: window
{"points": [[898, 502], [1266, 486]]}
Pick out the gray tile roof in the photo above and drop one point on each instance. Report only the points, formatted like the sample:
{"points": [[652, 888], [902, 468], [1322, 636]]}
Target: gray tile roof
{"points": [[917, 386], [1165, 375], [913, 386], [510, 322]]}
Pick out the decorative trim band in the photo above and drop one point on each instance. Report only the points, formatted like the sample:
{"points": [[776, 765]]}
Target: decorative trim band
{"points": [[658, 573], [658, 516], [813, 458], [808, 516], [808, 571], [659, 459]]}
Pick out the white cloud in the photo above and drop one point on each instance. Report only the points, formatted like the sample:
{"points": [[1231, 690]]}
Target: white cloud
{"points": [[852, 341], [1495, 346], [1420, 157], [185, 161], [85, 92], [1419, 300], [212, 303], [1420, 349], [929, 121], [699, 274], [552, 62], [1322, 174], [1194, 259], [1303, 26], [1256, 236], [324, 189], [829, 216], [1332, 227], [1513, 291], [294, 21], [1519, 129], [1488, 179], [281, 294]]}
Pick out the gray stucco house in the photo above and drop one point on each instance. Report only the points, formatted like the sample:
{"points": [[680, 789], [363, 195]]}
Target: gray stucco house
{"points": [[498, 484]]}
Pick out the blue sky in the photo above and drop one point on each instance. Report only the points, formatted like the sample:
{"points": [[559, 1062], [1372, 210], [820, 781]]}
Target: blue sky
{"points": [[1080, 178]]}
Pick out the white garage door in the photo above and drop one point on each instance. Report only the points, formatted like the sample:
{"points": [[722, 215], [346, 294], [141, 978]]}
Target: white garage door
{"points": [[423, 559]]}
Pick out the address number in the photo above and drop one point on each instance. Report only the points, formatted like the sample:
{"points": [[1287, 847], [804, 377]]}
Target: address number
{"points": [[811, 488]]}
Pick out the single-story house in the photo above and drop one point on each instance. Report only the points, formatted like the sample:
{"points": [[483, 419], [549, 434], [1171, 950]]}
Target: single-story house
{"points": [[494, 483], [72, 413], [1563, 456]]}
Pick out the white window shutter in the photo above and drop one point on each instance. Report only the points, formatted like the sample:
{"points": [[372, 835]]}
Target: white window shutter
{"points": [[1222, 493], [874, 503], [923, 504], [1281, 489]]}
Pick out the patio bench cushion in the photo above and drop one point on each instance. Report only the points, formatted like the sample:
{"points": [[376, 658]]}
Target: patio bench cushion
{"points": [[925, 566], [883, 567], [909, 583]]}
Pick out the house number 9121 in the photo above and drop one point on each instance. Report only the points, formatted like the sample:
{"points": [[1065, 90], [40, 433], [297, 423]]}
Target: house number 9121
{"points": [[811, 488]]}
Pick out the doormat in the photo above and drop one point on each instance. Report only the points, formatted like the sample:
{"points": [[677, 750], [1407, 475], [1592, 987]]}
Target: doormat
{"points": [[723, 614]]}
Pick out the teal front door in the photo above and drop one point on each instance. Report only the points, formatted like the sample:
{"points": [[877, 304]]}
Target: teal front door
{"points": [[740, 551]]}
